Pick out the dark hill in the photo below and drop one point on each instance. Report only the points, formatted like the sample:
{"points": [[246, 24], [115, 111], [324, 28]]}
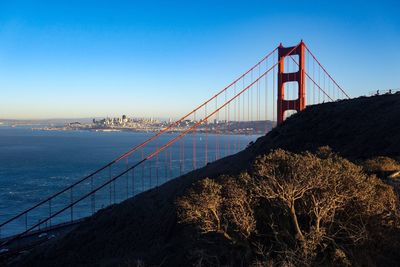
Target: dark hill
{"points": [[146, 228], [357, 129]]}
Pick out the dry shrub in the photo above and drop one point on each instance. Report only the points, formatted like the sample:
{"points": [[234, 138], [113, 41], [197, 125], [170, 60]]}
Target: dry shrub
{"points": [[201, 206], [211, 207], [238, 214], [381, 164], [329, 199], [295, 209]]}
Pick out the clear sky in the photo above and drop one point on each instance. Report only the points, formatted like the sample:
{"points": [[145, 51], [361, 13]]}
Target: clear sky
{"points": [[64, 59]]}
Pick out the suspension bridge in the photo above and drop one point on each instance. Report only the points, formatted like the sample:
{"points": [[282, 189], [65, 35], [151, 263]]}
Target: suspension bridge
{"points": [[284, 82]]}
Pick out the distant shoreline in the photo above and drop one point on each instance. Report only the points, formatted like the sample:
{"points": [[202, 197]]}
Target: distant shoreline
{"points": [[249, 131]]}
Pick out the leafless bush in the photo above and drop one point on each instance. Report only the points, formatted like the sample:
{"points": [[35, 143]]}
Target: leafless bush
{"points": [[225, 209], [201, 206], [293, 209], [237, 206], [381, 164]]}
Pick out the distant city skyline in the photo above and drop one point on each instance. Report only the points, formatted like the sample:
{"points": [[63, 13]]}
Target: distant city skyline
{"points": [[85, 59]]}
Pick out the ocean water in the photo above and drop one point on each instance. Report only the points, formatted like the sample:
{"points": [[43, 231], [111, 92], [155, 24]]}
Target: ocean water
{"points": [[36, 164]]}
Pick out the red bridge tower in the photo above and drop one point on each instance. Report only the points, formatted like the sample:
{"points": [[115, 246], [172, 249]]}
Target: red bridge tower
{"points": [[295, 104]]}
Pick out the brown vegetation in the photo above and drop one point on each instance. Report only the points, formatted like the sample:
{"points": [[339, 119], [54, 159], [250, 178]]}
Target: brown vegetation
{"points": [[292, 209], [381, 165]]}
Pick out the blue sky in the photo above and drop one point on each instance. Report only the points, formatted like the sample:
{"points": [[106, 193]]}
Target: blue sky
{"points": [[63, 59]]}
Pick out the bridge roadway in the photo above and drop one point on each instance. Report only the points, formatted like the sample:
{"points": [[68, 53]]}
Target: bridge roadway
{"points": [[32, 239]]}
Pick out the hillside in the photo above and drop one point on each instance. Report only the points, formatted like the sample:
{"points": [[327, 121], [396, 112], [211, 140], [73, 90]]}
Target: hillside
{"points": [[357, 129], [146, 227]]}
